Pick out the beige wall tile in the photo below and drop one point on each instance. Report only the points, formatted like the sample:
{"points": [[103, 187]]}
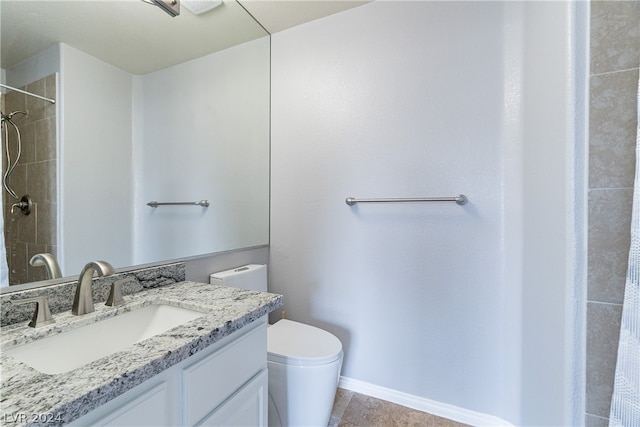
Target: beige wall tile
{"points": [[18, 263], [36, 107], [17, 181], [27, 225], [602, 344], [41, 181], [50, 92], [615, 57], [615, 35], [15, 101], [36, 176], [45, 139], [612, 129], [609, 240], [28, 141], [593, 421], [46, 224], [11, 226]]}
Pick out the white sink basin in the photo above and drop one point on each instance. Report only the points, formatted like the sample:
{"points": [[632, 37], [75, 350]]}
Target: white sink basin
{"points": [[75, 348]]}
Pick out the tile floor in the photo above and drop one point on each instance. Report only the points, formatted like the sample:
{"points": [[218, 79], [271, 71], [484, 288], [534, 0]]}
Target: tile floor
{"points": [[352, 409]]}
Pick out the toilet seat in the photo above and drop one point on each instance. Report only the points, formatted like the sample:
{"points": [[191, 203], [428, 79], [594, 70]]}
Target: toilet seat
{"points": [[294, 343]]}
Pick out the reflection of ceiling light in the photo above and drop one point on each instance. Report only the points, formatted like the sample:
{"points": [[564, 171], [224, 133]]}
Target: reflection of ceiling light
{"points": [[172, 7], [197, 7], [200, 6]]}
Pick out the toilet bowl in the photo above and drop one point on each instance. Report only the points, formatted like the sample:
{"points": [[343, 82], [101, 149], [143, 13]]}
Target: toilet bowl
{"points": [[303, 361], [304, 368]]}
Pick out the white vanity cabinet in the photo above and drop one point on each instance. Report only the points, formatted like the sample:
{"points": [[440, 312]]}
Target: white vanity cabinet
{"points": [[248, 407], [223, 385]]}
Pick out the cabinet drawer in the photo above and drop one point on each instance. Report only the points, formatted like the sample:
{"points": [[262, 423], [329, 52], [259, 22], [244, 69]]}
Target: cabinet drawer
{"points": [[155, 402], [147, 410], [209, 382], [248, 407], [151, 407]]}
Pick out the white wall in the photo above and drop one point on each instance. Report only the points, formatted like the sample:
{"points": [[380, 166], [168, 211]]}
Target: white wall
{"points": [[194, 142], [554, 70], [185, 130], [34, 68], [95, 155], [402, 99]]}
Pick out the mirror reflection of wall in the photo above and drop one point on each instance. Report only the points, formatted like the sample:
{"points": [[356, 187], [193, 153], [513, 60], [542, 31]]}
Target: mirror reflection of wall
{"points": [[198, 130], [166, 109], [29, 168], [203, 133]]}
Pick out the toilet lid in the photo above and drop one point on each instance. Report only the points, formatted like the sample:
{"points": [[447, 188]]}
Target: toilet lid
{"points": [[296, 343]]}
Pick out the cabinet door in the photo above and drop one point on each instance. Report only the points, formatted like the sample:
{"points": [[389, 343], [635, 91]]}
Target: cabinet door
{"points": [[210, 381], [247, 407]]}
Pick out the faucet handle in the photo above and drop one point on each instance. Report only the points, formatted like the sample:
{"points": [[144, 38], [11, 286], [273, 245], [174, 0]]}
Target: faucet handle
{"points": [[115, 295], [41, 315]]}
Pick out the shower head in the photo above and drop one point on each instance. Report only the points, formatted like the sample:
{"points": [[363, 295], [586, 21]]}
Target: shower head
{"points": [[16, 112], [7, 118], [10, 115]]}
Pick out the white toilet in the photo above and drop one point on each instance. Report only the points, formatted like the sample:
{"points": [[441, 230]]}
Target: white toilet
{"points": [[304, 361]]}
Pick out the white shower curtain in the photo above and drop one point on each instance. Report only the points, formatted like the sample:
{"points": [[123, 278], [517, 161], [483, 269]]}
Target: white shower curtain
{"points": [[625, 403]]}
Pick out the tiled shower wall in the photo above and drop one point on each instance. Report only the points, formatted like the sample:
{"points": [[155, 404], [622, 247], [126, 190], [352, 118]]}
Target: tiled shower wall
{"points": [[615, 58], [35, 175]]}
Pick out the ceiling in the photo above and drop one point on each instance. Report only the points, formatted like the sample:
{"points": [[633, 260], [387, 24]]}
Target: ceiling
{"points": [[278, 15], [140, 38]]}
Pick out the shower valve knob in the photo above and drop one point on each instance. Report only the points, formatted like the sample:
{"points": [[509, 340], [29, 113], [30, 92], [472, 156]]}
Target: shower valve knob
{"points": [[25, 205]]}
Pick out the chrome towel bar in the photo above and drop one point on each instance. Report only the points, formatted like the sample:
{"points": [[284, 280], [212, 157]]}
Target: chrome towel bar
{"points": [[203, 203], [460, 199]]}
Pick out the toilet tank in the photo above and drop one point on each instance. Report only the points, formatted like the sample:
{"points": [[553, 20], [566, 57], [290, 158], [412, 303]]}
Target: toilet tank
{"points": [[252, 277]]}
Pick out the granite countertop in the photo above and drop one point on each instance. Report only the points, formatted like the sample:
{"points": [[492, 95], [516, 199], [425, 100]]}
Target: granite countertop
{"points": [[27, 394]]}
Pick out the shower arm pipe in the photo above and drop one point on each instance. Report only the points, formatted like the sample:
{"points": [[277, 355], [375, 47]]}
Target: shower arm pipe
{"points": [[203, 203], [53, 101], [461, 199]]}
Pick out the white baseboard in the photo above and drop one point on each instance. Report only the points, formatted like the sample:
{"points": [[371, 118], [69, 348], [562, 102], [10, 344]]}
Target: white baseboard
{"points": [[421, 404]]}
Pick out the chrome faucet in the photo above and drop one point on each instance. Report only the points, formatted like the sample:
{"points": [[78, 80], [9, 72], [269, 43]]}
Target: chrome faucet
{"points": [[83, 301], [47, 260]]}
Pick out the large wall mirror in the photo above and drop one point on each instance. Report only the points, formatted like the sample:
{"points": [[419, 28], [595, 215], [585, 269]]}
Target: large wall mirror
{"points": [[148, 107]]}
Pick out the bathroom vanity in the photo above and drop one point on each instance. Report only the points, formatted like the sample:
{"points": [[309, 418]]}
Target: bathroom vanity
{"points": [[208, 371]]}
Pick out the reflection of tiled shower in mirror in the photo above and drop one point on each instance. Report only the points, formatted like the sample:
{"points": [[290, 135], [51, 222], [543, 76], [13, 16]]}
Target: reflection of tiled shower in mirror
{"points": [[33, 144]]}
